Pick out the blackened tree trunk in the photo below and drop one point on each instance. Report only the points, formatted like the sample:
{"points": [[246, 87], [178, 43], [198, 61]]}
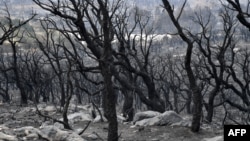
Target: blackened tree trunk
{"points": [[189, 102], [11, 30], [210, 104], [127, 109], [210, 109], [197, 96], [91, 22], [24, 97], [63, 97], [196, 93], [109, 103], [157, 103], [4, 92], [106, 65], [242, 15]]}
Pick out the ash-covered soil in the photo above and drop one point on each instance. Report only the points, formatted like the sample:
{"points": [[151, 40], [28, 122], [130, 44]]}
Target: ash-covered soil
{"points": [[153, 133], [15, 117]]}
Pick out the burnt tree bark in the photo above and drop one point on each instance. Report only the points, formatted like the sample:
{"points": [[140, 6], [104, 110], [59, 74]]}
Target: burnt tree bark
{"points": [[242, 15], [11, 30], [91, 22], [197, 96]]}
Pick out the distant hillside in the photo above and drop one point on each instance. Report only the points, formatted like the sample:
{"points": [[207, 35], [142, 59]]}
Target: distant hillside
{"points": [[193, 3], [24, 7], [19, 2]]}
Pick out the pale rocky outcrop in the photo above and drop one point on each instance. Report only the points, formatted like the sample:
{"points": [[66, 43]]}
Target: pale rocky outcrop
{"points": [[145, 115], [166, 118]]}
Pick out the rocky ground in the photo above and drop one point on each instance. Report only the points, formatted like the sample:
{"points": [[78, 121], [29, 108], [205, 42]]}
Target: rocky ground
{"points": [[23, 124]]}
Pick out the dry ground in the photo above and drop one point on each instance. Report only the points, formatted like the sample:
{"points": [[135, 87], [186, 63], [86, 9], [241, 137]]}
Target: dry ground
{"points": [[152, 133], [15, 117]]}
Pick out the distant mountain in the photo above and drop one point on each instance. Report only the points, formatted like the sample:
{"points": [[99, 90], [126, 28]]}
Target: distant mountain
{"points": [[177, 3], [143, 3], [27, 5], [19, 2]]}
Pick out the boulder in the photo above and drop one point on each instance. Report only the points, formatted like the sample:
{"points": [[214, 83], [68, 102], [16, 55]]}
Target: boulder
{"points": [[28, 133], [148, 122], [3, 127], [5, 137], [93, 136], [50, 133], [31, 137], [57, 125], [98, 119], [183, 123], [86, 108], [79, 116], [145, 115], [27, 110], [50, 108], [55, 134], [167, 118], [6, 130], [121, 119]]}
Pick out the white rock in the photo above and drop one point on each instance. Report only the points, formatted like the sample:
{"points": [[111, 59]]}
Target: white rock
{"points": [[120, 118], [98, 119], [6, 137], [148, 122], [133, 126], [6, 130], [76, 117], [49, 108], [93, 136], [32, 136], [3, 127], [41, 106], [27, 110], [183, 123], [81, 115], [77, 130], [6, 115], [50, 133], [27, 132], [85, 107], [144, 115], [58, 125], [217, 138], [46, 123], [30, 133], [55, 134], [167, 118]]}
